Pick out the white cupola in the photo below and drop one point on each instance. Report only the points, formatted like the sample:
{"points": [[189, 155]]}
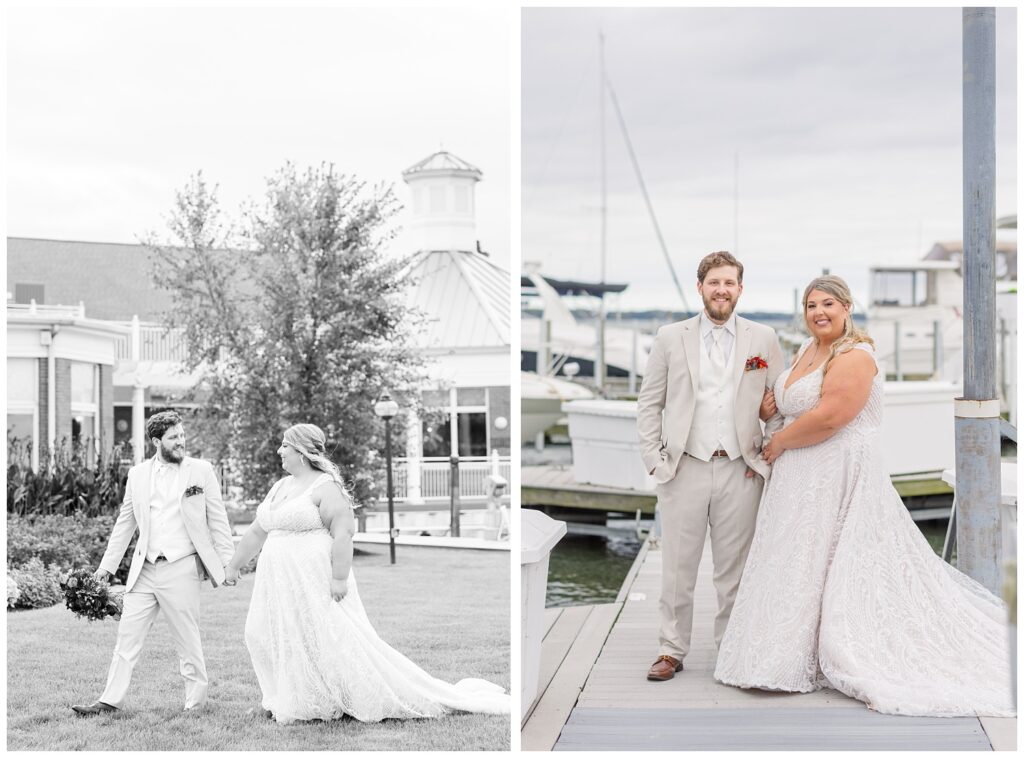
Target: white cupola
{"points": [[443, 206]]}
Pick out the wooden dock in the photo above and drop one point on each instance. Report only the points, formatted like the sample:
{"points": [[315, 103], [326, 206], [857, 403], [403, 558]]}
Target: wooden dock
{"points": [[555, 486], [595, 696]]}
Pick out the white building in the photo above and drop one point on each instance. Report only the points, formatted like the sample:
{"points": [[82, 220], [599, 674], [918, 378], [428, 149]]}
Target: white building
{"points": [[136, 363], [466, 301]]}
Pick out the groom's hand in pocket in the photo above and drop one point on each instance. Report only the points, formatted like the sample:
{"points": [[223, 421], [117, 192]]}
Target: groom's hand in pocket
{"points": [[339, 588]]}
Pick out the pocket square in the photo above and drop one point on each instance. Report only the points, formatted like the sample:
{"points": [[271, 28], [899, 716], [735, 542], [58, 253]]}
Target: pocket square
{"points": [[195, 489]]}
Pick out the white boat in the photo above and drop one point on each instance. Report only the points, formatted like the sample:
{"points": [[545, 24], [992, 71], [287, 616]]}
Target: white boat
{"points": [[542, 398], [915, 317], [917, 436]]}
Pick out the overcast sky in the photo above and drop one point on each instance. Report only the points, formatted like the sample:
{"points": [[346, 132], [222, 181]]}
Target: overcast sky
{"points": [[846, 123], [109, 111]]}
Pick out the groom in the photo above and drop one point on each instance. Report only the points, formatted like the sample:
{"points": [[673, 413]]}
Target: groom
{"points": [[184, 537], [703, 393]]}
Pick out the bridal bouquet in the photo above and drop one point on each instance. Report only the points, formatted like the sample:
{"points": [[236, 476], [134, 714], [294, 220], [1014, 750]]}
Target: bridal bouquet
{"points": [[90, 598]]}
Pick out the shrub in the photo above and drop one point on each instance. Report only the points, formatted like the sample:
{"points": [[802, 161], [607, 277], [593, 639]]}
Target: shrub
{"points": [[66, 542], [71, 479], [38, 584]]}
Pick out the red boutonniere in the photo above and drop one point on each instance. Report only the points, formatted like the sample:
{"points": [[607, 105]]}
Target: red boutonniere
{"points": [[756, 363]]}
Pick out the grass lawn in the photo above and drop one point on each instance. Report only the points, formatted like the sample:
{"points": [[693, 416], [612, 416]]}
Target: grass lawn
{"points": [[446, 609]]}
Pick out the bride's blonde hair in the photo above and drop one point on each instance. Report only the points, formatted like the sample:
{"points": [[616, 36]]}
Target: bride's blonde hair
{"points": [[837, 288], [310, 441]]}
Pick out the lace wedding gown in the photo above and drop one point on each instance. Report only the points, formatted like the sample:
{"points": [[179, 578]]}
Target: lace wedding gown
{"points": [[842, 590], [320, 659]]}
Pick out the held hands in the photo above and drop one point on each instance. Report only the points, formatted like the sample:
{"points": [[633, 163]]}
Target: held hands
{"points": [[230, 576], [339, 588], [775, 447], [768, 407]]}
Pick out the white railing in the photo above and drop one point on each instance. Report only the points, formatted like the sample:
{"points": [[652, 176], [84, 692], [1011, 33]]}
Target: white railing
{"points": [[435, 476], [156, 343], [40, 309]]}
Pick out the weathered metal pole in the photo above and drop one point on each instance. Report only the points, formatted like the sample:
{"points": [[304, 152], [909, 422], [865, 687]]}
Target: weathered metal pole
{"points": [[977, 412], [392, 532], [454, 528]]}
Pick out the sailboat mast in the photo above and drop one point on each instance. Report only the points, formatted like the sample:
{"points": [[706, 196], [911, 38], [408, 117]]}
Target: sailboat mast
{"points": [[599, 364]]}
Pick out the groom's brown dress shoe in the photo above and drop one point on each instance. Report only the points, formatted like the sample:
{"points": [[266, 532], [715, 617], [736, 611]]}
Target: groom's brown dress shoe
{"points": [[664, 668], [94, 709]]}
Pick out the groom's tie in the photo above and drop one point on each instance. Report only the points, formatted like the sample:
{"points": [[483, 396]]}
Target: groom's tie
{"points": [[717, 353]]}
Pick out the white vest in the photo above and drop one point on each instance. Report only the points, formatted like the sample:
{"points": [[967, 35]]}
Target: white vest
{"points": [[714, 420], [167, 534]]}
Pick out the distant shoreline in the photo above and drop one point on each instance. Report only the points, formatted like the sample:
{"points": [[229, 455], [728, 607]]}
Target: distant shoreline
{"points": [[667, 316]]}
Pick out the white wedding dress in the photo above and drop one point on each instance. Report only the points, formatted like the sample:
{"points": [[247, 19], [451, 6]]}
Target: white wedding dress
{"points": [[320, 659], [842, 590]]}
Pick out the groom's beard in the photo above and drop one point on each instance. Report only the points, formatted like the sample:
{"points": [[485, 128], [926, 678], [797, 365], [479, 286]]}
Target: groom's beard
{"points": [[719, 311], [172, 454]]}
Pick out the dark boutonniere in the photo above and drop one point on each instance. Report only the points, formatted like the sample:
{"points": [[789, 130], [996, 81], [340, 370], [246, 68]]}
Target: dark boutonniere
{"points": [[195, 489], [756, 363]]}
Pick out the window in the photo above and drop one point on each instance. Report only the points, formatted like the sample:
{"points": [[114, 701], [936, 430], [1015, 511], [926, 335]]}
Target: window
{"points": [[901, 288], [26, 293], [438, 200], [470, 426], [85, 404], [23, 406], [462, 199]]}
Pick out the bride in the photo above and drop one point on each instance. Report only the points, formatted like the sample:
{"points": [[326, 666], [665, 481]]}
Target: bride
{"points": [[840, 588], [315, 653]]}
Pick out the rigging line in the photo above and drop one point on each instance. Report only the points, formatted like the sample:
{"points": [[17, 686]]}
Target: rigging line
{"points": [[643, 189]]}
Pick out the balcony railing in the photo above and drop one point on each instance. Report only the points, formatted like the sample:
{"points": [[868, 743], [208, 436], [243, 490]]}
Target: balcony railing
{"points": [[156, 343], [435, 476], [41, 309]]}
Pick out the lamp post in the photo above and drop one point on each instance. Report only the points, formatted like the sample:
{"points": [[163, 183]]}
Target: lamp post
{"points": [[386, 408]]}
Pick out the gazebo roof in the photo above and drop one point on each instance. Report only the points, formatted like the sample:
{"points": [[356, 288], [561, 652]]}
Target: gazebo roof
{"points": [[441, 163], [465, 299]]}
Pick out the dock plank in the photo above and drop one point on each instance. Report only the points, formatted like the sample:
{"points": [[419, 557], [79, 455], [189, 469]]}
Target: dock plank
{"points": [[545, 723], [550, 617], [758, 729]]}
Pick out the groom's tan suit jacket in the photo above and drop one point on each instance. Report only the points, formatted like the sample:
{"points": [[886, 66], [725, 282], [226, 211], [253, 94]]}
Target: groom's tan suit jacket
{"points": [[205, 519], [668, 395]]}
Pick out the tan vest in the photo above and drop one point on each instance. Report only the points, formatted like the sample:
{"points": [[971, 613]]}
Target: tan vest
{"points": [[167, 534], [714, 422]]}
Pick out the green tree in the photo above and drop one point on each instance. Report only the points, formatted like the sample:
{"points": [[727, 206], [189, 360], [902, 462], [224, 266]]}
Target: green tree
{"points": [[292, 314]]}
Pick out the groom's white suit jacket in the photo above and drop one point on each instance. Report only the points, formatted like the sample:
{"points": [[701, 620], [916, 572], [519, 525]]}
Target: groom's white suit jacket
{"points": [[668, 395], [205, 519]]}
